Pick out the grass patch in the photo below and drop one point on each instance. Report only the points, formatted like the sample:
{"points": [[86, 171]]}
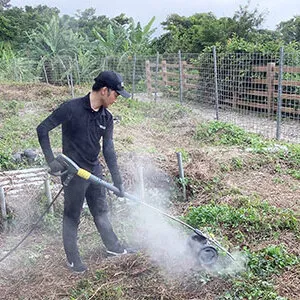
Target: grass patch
{"points": [[18, 133], [245, 220], [219, 133], [97, 287], [256, 282], [131, 111]]}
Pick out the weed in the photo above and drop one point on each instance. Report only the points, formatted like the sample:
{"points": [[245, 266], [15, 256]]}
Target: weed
{"points": [[175, 112], [11, 107], [271, 260], [283, 154], [253, 288], [255, 283], [131, 111], [97, 287], [84, 288], [248, 217], [278, 180], [19, 134], [237, 163], [219, 133]]}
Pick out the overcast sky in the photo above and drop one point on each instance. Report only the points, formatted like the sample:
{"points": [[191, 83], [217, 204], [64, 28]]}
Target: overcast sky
{"points": [[277, 10]]}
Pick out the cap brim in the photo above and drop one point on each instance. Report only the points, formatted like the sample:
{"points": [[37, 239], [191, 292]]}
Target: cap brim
{"points": [[124, 94]]}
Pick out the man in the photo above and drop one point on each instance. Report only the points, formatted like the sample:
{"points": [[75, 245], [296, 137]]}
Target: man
{"points": [[84, 122]]}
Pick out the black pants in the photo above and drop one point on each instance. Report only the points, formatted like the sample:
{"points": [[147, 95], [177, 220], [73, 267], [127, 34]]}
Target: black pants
{"points": [[95, 195]]}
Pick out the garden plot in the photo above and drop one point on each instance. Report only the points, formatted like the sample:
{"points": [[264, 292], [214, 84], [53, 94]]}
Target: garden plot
{"points": [[242, 198]]}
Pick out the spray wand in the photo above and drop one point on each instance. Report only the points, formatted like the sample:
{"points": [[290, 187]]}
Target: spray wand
{"points": [[73, 169]]}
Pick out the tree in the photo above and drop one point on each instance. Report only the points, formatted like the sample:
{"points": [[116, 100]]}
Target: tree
{"points": [[247, 21], [201, 30], [87, 21], [290, 30], [4, 4], [15, 22], [190, 34]]}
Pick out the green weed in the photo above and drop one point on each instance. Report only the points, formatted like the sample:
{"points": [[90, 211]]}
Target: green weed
{"points": [[256, 283], [246, 217], [11, 107], [97, 287], [284, 155], [19, 133], [271, 260], [131, 111], [219, 133], [184, 154]]}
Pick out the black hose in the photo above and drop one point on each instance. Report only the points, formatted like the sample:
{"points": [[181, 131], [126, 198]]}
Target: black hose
{"points": [[33, 227]]}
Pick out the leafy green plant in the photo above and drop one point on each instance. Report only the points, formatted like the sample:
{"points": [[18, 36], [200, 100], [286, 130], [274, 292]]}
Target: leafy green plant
{"points": [[237, 163], [271, 260], [251, 217], [252, 288], [130, 111], [255, 283], [219, 133], [184, 154], [283, 155]]}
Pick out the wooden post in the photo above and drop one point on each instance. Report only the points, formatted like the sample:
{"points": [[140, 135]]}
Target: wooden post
{"points": [[164, 72], [148, 75], [270, 88], [156, 76]]}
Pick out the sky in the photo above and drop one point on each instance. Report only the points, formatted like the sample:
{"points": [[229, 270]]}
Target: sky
{"points": [[276, 10]]}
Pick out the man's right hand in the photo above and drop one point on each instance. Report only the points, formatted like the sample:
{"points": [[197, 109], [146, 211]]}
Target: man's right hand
{"points": [[56, 168]]}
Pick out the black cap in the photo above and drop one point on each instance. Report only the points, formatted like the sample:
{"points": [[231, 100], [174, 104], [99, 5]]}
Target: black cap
{"points": [[113, 81]]}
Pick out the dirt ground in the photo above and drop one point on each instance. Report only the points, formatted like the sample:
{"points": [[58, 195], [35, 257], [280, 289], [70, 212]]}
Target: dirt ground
{"points": [[37, 269]]}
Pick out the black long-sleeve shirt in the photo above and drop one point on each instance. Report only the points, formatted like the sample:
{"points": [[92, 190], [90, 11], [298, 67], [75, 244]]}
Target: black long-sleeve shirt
{"points": [[82, 129]]}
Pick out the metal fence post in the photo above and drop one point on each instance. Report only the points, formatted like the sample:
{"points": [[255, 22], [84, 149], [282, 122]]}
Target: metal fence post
{"points": [[181, 174], [180, 77], [216, 82], [279, 98], [3, 207], [156, 74], [133, 76], [2, 202], [45, 72], [48, 194], [141, 183], [72, 85], [78, 70]]}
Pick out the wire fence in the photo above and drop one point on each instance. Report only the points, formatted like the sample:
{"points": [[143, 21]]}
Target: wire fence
{"points": [[259, 92]]}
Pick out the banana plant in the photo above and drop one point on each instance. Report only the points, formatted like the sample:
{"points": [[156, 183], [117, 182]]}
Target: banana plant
{"points": [[13, 66], [139, 38], [53, 45], [110, 44]]}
